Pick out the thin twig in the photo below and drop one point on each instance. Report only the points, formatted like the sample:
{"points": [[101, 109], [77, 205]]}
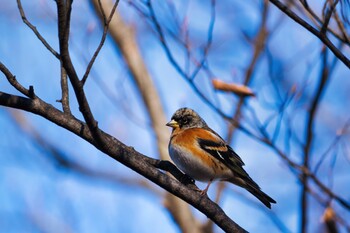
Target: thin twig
{"points": [[341, 27], [259, 45], [334, 142], [309, 139], [314, 31], [208, 43], [317, 21], [301, 169], [13, 81], [104, 35], [65, 91], [328, 16], [64, 12], [36, 32]]}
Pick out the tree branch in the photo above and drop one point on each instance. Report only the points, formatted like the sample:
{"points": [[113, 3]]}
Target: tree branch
{"points": [[104, 35], [138, 162], [314, 31], [36, 32], [65, 91], [63, 12], [328, 16], [259, 45], [13, 81]]}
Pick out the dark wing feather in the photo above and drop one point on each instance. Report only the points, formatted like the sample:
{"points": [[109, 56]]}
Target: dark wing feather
{"points": [[225, 154]]}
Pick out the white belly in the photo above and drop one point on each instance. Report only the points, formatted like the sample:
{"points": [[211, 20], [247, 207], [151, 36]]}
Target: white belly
{"points": [[190, 165]]}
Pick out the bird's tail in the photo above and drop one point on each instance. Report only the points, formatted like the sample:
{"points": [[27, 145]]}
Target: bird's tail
{"points": [[263, 197], [254, 189]]}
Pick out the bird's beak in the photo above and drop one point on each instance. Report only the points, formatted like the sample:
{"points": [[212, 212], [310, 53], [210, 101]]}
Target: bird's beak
{"points": [[172, 124]]}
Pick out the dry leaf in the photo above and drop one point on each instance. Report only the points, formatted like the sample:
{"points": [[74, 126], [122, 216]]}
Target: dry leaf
{"points": [[237, 89]]}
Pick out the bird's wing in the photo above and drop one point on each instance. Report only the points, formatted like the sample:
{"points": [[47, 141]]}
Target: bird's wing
{"points": [[214, 145]]}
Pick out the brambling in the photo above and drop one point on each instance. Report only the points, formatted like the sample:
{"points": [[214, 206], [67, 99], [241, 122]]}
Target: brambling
{"points": [[204, 156]]}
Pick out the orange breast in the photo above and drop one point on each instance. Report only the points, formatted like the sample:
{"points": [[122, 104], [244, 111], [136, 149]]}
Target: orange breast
{"points": [[193, 160]]}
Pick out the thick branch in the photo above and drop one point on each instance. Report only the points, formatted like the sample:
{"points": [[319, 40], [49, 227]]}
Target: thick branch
{"points": [[140, 163]]}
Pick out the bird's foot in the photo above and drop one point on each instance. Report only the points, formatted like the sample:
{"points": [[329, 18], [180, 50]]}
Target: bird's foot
{"points": [[186, 180], [204, 191]]}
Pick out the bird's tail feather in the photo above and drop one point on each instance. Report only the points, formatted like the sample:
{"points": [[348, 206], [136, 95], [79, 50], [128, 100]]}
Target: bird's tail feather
{"points": [[254, 189], [263, 197]]}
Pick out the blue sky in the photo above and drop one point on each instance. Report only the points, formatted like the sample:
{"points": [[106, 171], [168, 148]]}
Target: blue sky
{"points": [[37, 194]]}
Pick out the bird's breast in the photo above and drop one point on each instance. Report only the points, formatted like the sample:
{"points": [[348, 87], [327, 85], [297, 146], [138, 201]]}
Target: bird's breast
{"points": [[196, 167]]}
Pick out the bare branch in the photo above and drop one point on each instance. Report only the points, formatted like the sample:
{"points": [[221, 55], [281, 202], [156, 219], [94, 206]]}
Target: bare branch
{"points": [[65, 91], [341, 27], [307, 172], [318, 21], [13, 81], [208, 43], [142, 164], [328, 15], [335, 141], [104, 35], [314, 31], [260, 41], [309, 139], [63, 12], [36, 32]]}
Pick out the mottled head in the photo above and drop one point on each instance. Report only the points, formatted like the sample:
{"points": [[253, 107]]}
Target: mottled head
{"points": [[185, 118]]}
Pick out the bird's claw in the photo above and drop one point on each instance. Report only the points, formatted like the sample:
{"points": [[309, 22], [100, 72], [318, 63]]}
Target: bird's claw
{"points": [[186, 179]]}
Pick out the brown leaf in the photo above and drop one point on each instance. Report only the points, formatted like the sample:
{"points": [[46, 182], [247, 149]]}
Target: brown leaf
{"points": [[237, 89]]}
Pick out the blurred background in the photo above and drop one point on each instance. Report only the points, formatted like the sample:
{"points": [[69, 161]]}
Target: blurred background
{"points": [[286, 113]]}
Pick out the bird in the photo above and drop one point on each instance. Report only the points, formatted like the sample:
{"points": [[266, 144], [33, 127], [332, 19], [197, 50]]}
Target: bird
{"points": [[203, 155]]}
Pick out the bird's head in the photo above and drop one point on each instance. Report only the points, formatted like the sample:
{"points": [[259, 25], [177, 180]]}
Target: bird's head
{"points": [[185, 118]]}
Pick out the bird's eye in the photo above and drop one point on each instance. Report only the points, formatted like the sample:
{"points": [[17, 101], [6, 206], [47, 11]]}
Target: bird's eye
{"points": [[184, 121]]}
